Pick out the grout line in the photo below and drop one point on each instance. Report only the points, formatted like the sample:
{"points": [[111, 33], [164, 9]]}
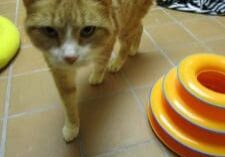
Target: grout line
{"points": [[53, 106], [157, 25], [214, 39], [82, 152], [17, 11], [188, 31], [138, 102], [141, 107], [6, 111], [26, 46], [142, 87], [123, 149], [159, 48], [32, 72], [155, 8], [7, 98], [33, 111]]}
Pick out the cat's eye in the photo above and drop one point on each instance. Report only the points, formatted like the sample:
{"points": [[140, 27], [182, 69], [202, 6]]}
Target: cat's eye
{"points": [[88, 31], [49, 31]]}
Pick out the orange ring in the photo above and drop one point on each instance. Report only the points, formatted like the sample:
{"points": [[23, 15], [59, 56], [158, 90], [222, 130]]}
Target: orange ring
{"points": [[193, 110], [203, 76], [170, 142], [185, 134]]}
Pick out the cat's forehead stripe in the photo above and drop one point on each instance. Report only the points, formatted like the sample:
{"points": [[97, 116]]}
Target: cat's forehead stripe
{"points": [[69, 31]]}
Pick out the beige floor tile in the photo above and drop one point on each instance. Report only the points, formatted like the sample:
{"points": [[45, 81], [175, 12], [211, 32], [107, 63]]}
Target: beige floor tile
{"points": [[112, 122], [8, 10], [3, 86], [211, 29], [156, 17], [140, 69], [144, 95], [4, 73], [28, 60], [150, 149], [39, 135], [6, 1], [146, 45], [144, 68], [164, 148], [34, 91], [184, 16], [155, 6], [218, 46], [25, 40], [169, 153], [170, 34], [113, 83], [221, 19], [179, 52]]}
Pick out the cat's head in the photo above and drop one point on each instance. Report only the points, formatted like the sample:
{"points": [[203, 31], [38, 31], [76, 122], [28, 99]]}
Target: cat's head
{"points": [[69, 31]]}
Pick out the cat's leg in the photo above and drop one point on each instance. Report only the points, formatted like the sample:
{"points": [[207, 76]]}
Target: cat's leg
{"points": [[129, 43], [136, 40], [65, 82], [100, 64], [98, 72]]}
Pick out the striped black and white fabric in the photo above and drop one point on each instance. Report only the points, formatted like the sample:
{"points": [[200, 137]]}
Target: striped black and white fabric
{"points": [[212, 7]]}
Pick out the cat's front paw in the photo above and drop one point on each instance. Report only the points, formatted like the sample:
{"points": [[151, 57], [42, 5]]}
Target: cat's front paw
{"points": [[69, 134], [96, 78], [115, 65]]}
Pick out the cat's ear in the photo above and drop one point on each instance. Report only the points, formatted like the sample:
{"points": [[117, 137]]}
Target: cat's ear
{"points": [[27, 3]]}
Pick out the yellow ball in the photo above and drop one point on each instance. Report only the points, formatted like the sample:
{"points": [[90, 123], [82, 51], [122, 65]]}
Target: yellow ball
{"points": [[9, 41]]}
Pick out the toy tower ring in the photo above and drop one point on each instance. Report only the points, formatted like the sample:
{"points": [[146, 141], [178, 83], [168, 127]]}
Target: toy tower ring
{"points": [[187, 107]]}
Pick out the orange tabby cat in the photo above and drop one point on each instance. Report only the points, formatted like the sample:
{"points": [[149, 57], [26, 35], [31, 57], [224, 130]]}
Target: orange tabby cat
{"points": [[73, 32]]}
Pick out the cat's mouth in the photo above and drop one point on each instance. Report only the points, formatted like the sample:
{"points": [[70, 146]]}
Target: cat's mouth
{"points": [[77, 63], [70, 59]]}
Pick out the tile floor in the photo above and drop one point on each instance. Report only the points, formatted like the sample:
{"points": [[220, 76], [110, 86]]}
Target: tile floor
{"points": [[113, 115]]}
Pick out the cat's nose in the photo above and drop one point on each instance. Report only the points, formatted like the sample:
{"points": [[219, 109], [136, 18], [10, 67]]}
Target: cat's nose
{"points": [[70, 59]]}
